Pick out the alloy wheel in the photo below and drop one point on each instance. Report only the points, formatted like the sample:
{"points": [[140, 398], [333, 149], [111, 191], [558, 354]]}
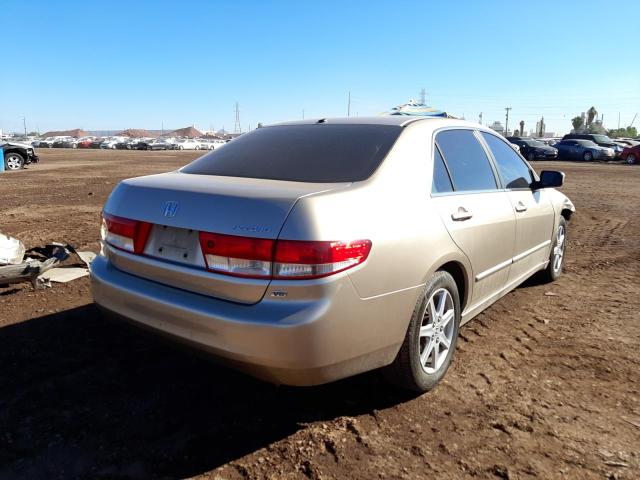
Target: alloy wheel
{"points": [[13, 162], [436, 331]]}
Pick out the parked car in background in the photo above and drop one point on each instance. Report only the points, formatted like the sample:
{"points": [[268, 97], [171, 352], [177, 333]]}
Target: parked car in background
{"points": [[17, 155], [626, 142], [111, 142], [212, 143], [577, 149], [85, 142], [158, 144], [97, 142], [187, 144], [283, 283], [65, 142], [598, 139], [44, 142], [124, 144], [631, 154], [532, 149]]}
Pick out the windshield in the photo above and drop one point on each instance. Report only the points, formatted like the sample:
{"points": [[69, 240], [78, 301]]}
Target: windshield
{"points": [[317, 153], [602, 139]]}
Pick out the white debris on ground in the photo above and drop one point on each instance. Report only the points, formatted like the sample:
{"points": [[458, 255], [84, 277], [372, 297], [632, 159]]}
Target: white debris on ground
{"points": [[11, 250], [15, 268], [67, 274]]}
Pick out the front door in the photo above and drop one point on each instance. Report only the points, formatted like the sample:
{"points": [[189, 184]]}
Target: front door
{"points": [[533, 210]]}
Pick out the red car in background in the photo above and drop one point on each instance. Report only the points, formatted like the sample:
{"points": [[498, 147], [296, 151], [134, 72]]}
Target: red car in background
{"points": [[631, 155], [85, 142]]}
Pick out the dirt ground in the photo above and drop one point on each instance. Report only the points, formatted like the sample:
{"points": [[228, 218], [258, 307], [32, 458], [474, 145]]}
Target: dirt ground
{"points": [[545, 383]]}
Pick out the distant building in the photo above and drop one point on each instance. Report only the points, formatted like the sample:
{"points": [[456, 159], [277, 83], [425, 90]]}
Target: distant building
{"points": [[497, 126]]}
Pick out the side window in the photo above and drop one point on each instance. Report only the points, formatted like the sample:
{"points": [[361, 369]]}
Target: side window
{"points": [[467, 161], [441, 180], [514, 172]]}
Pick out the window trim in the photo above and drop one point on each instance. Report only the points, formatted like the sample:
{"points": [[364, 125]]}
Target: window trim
{"points": [[434, 145]]}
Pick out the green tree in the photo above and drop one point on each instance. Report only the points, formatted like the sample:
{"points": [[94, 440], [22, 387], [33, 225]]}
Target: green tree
{"points": [[577, 123]]}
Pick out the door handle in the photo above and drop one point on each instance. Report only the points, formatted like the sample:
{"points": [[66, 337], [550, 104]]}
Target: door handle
{"points": [[521, 207], [461, 214]]}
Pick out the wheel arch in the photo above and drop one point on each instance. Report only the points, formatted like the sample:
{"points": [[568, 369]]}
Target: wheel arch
{"points": [[459, 273]]}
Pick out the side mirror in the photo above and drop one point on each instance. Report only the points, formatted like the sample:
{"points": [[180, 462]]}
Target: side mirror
{"points": [[549, 179]]}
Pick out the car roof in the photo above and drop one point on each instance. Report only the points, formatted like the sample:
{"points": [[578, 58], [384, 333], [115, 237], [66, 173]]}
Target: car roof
{"points": [[400, 120]]}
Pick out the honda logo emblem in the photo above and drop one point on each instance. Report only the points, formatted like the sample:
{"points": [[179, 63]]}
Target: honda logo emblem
{"points": [[170, 209]]}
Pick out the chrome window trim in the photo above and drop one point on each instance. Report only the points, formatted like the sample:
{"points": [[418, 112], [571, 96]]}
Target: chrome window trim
{"points": [[506, 263]]}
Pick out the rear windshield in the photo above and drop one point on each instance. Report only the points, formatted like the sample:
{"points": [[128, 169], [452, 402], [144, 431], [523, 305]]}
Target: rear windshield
{"points": [[317, 153]]}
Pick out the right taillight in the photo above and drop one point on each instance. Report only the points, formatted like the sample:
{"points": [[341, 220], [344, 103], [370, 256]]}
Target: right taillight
{"points": [[303, 259], [279, 259]]}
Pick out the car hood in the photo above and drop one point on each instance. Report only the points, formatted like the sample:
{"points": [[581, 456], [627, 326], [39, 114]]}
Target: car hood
{"points": [[15, 144]]}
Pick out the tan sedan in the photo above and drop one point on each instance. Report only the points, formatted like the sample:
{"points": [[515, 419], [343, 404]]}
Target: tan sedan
{"points": [[310, 251]]}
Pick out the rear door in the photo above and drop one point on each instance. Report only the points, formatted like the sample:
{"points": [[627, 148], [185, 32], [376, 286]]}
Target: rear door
{"points": [[533, 210], [477, 214]]}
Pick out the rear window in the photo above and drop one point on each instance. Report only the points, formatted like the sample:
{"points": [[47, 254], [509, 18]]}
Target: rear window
{"points": [[317, 153]]}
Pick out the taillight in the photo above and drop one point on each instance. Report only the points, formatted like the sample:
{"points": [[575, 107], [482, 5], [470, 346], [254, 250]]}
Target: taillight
{"points": [[125, 234], [238, 256], [300, 259], [281, 259]]}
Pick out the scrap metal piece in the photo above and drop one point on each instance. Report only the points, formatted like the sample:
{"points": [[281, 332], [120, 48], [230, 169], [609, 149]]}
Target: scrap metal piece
{"points": [[11, 250], [31, 269]]}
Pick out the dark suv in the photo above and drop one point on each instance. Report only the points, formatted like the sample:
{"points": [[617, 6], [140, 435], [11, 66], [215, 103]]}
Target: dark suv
{"points": [[597, 138], [533, 149], [17, 155]]}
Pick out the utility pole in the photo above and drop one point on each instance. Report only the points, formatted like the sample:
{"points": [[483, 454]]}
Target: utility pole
{"points": [[480, 118], [24, 122], [506, 123], [423, 96], [162, 127], [237, 128], [349, 105], [303, 113], [618, 120]]}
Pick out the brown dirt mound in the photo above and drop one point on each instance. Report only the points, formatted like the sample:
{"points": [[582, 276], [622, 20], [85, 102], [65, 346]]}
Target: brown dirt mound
{"points": [[75, 133], [190, 132], [137, 133]]}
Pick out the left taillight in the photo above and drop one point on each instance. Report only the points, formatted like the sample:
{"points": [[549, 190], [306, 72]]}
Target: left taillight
{"points": [[124, 233]]}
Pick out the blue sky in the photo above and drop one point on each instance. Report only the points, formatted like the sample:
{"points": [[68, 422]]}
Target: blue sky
{"points": [[135, 64]]}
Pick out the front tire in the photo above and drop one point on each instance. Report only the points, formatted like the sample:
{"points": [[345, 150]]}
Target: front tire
{"points": [[557, 254], [531, 156], [13, 161], [631, 159], [431, 338], [588, 156]]}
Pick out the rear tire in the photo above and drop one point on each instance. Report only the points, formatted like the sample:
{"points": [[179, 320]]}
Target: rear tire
{"points": [[424, 356], [13, 161], [557, 254]]}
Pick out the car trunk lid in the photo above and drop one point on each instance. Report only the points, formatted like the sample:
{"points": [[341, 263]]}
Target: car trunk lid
{"points": [[180, 205]]}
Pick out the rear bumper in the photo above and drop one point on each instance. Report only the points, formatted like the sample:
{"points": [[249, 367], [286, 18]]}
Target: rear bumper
{"points": [[300, 342]]}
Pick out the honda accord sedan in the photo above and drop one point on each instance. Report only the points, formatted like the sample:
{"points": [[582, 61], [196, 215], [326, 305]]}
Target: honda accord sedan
{"points": [[310, 251]]}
